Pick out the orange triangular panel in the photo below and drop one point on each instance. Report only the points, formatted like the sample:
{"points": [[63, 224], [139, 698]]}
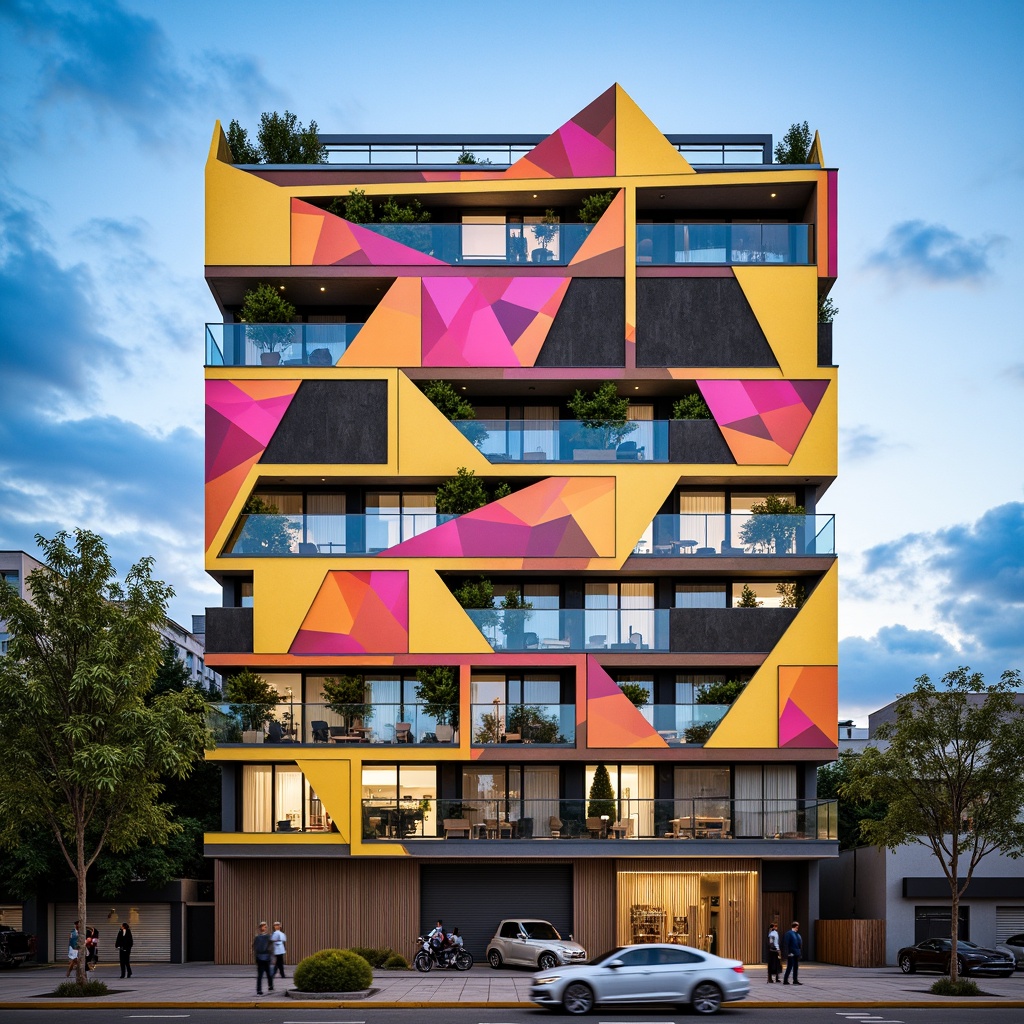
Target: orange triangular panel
{"points": [[391, 334]]}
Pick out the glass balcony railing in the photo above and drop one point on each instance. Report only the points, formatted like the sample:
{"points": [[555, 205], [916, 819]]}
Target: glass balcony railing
{"points": [[551, 724], [525, 818], [741, 533], [281, 536], [374, 722], [772, 244], [495, 244], [573, 629], [567, 440], [277, 344]]}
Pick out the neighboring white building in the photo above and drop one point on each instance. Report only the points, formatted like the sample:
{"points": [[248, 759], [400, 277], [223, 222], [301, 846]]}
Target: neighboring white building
{"points": [[191, 648], [852, 737], [15, 567]]}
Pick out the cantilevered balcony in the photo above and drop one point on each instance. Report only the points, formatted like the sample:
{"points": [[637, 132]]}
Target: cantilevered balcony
{"points": [[277, 344], [662, 245], [739, 533], [568, 440]]}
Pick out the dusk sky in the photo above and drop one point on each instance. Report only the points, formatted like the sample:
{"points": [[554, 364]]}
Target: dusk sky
{"points": [[106, 121]]}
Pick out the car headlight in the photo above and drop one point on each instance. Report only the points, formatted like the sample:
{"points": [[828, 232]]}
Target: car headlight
{"points": [[546, 981]]}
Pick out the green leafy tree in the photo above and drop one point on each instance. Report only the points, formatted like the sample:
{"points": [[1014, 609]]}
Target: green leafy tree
{"points": [[242, 150], [172, 674], [748, 599], [691, 407], [602, 796], [356, 207], [795, 145], [636, 693], [263, 529], [594, 206], [827, 311], [832, 782], [454, 407], [460, 494], [603, 414], [438, 690], [791, 595], [392, 211], [720, 693], [83, 752], [949, 772], [266, 312], [251, 699], [346, 696], [773, 525]]}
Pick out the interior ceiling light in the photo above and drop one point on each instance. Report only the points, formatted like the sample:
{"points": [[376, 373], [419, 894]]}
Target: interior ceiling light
{"points": [[773, 195], [322, 288], [281, 286]]}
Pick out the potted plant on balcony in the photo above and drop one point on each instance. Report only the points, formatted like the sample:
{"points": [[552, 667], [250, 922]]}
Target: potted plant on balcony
{"points": [[514, 626], [263, 530], [601, 803], [455, 408], [253, 701], [603, 417], [346, 697], [544, 232], [594, 205], [437, 689], [773, 525], [478, 595], [266, 312]]}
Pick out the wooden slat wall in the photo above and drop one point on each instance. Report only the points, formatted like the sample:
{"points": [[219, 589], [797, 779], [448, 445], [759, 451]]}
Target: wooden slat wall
{"points": [[593, 903], [322, 904], [851, 943]]}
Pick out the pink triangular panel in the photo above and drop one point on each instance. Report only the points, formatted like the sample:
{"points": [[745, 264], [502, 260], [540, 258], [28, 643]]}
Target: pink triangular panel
{"points": [[308, 641], [237, 446], [753, 425], [727, 400], [792, 722], [513, 319], [811, 392], [811, 738], [599, 683], [588, 156]]}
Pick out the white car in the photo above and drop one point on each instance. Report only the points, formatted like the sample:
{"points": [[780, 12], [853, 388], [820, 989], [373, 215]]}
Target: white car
{"points": [[651, 973], [532, 943], [1014, 945]]}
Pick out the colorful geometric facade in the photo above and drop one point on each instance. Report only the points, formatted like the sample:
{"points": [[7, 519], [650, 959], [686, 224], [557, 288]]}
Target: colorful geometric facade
{"points": [[614, 549]]}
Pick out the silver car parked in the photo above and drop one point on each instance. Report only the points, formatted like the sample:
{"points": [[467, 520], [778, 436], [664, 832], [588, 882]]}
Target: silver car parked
{"points": [[532, 943], [650, 973], [1014, 945]]}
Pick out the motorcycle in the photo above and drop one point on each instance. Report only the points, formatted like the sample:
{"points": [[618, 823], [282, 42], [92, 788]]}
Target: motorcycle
{"points": [[443, 958]]}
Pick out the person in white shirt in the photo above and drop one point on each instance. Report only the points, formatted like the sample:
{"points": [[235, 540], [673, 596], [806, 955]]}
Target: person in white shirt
{"points": [[774, 954], [278, 939]]}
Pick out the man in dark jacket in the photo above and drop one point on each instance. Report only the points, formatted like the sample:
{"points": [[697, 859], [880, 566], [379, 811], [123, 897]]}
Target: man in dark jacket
{"points": [[792, 950], [261, 950], [124, 942]]}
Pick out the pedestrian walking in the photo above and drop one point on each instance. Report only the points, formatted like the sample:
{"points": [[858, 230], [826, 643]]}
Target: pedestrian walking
{"points": [[774, 957], [73, 943], [261, 950], [278, 939], [792, 948], [124, 942], [93, 949]]}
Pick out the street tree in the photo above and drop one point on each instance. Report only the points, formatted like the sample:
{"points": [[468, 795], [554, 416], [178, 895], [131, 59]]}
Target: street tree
{"points": [[83, 751], [950, 774]]}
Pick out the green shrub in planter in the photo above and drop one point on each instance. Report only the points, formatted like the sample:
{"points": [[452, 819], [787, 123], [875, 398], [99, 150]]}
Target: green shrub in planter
{"points": [[72, 990], [948, 987], [396, 962], [333, 970], [373, 955]]}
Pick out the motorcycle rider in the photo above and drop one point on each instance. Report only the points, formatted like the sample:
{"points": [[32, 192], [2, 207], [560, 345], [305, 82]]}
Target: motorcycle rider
{"points": [[437, 939], [453, 940]]}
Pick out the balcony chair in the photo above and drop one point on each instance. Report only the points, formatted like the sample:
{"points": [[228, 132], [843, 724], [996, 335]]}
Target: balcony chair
{"points": [[305, 548], [597, 642], [403, 732], [275, 734], [622, 829], [319, 730], [595, 826], [630, 451], [555, 826], [460, 827], [320, 357]]}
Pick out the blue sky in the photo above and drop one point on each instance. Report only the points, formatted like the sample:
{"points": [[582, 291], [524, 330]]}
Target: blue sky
{"points": [[105, 127]]}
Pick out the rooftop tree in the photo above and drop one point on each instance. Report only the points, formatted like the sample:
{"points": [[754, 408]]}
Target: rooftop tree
{"points": [[280, 139], [84, 752], [795, 145], [949, 772]]}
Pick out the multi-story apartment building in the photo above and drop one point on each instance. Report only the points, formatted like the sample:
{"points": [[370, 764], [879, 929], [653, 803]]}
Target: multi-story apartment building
{"points": [[428, 759], [190, 648]]}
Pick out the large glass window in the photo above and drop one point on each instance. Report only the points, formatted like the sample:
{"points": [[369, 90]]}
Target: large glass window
{"points": [[394, 516], [277, 798], [633, 786], [620, 611], [520, 708], [700, 595], [400, 801], [483, 236], [768, 594]]}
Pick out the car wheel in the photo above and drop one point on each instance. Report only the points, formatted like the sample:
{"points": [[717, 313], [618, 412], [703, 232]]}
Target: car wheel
{"points": [[707, 998], [906, 964], [577, 998], [494, 959], [422, 962], [547, 961]]}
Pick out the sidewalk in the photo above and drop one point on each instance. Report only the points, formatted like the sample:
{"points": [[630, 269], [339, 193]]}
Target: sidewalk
{"points": [[219, 985]]}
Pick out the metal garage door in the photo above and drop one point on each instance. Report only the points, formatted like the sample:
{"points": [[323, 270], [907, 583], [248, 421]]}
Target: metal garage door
{"points": [[10, 915], [150, 924], [1009, 921], [475, 897]]}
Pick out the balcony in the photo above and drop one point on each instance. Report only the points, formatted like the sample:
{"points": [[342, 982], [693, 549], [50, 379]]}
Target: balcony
{"points": [[517, 819], [277, 344], [567, 440], [662, 245], [737, 534], [283, 536], [538, 724]]}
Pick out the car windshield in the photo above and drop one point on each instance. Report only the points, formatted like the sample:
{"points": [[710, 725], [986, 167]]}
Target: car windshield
{"points": [[966, 944], [540, 930], [610, 954]]}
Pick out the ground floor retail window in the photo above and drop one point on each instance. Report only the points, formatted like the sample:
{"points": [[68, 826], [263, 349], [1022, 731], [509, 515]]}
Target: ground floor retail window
{"points": [[934, 922], [717, 910]]}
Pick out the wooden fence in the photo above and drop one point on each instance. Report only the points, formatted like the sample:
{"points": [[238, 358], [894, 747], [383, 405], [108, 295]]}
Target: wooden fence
{"points": [[853, 943]]}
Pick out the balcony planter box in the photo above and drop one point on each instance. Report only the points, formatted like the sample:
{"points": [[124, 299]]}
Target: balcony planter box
{"points": [[252, 736], [727, 630], [697, 441], [444, 733]]}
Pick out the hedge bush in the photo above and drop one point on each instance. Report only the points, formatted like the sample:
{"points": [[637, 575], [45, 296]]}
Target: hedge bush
{"points": [[373, 955], [72, 990], [396, 962], [333, 970], [961, 987]]}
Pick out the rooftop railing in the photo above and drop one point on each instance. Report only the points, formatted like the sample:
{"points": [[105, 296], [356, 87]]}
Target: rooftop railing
{"points": [[716, 244]]}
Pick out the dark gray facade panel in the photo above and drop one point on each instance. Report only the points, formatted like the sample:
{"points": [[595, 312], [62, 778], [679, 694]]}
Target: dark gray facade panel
{"points": [[825, 345], [333, 421], [229, 631], [697, 321], [476, 897], [697, 441], [590, 326], [727, 630], [1005, 887]]}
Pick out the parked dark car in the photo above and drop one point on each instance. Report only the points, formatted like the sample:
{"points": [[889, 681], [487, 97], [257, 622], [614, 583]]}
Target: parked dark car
{"points": [[15, 946], [934, 955]]}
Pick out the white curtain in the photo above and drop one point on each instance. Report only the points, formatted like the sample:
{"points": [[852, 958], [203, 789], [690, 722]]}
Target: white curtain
{"points": [[780, 797], [749, 801], [540, 797], [540, 430], [702, 518], [256, 792], [325, 522], [636, 603]]}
